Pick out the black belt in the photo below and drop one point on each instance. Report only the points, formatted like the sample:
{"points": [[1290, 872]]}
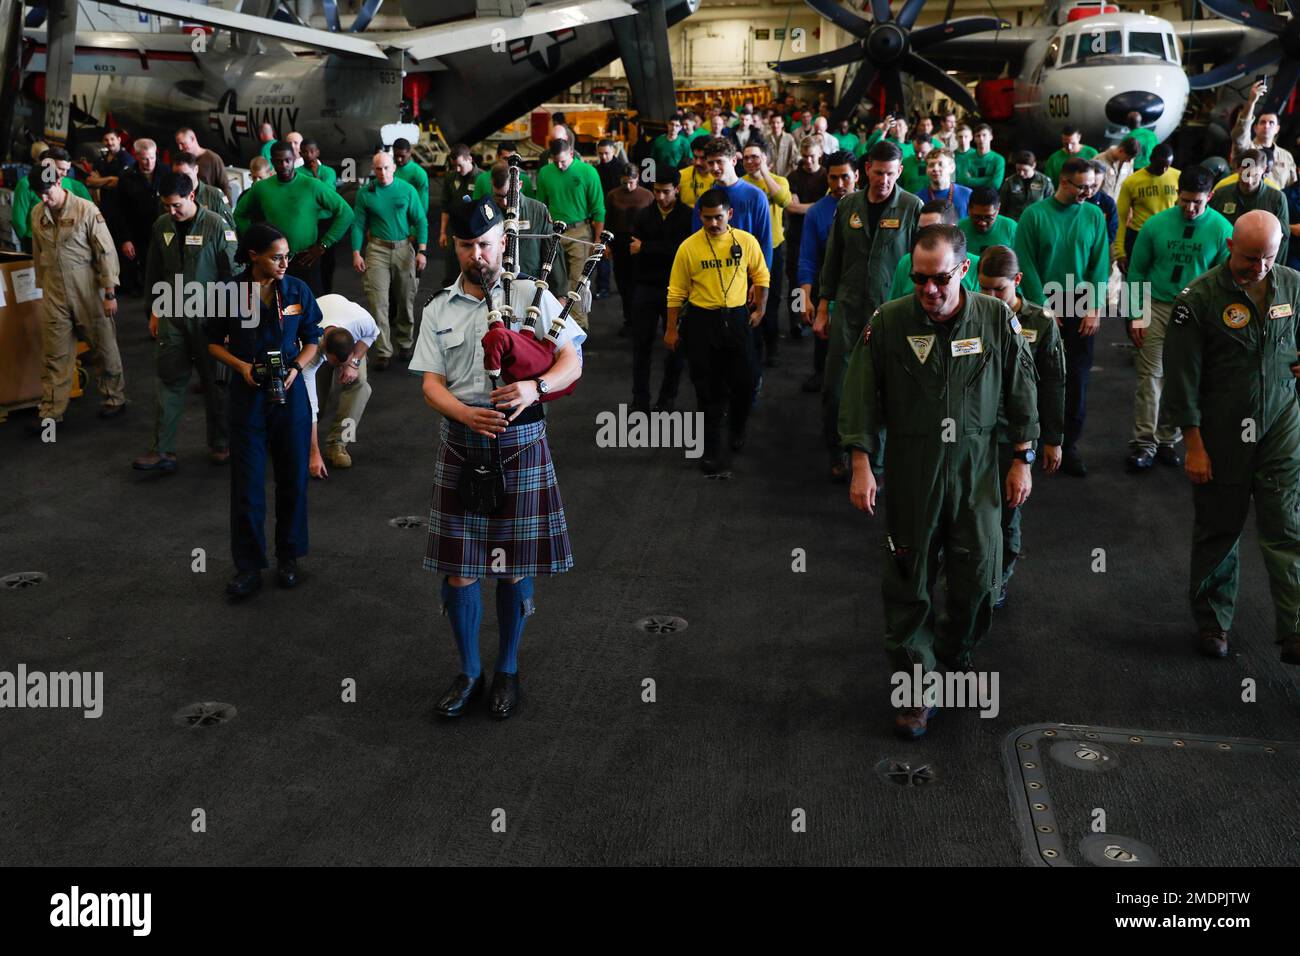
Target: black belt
{"points": [[533, 413]]}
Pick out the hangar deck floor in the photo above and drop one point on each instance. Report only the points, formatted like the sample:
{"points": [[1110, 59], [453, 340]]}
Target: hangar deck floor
{"points": [[775, 696]]}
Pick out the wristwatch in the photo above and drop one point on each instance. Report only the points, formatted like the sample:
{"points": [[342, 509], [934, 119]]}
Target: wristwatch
{"points": [[294, 364], [542, 387], [109, 296], [355, 362], [1026, 455]]}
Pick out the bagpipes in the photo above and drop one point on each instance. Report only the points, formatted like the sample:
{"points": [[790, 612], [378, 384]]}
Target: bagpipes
{"points": [[518, 356]]}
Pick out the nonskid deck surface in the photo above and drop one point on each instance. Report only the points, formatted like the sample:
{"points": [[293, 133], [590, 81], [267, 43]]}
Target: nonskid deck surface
{"points": [[773, 699]]}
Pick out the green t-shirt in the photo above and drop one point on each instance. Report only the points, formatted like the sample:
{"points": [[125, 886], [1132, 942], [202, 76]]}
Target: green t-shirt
{"points": [[1147, 140], [987, 170], [572, 195], [1170, 252], [1001, 233], [483, 185], [1052, 168], [670, 153], [847, 141], [913, 176], [418, 179], [392, 213], [1060, 244], [294, 208]]}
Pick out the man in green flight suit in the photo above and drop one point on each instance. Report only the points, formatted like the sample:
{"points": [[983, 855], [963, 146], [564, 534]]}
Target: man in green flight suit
{"points": [[1230, 372], [1251, 192], [932, 371], [999, 276], [872, 230], [189, 244]]}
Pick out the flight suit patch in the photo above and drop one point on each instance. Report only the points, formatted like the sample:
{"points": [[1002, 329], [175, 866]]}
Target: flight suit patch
{"points": [[922, 346], [168, 237], [230, 236], [855, 221], [1281, 311], [890, 223], [967, 347], [1031, 335], [1181, 314], [1229, 208], [1236, 316], [193, 240], [1016, 326]]}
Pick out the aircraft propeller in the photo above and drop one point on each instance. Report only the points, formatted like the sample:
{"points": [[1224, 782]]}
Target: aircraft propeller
{"points": [[1283, 50], [886, 48]]}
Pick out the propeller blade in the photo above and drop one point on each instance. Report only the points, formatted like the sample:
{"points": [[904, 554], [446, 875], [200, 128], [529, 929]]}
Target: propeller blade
{"points": [[35, 17], [1246, 16], [365, 15], [1252, 62], [880, 10], [1280, 87], [853, 95], [893, 81], [819, 61], [331, 11], [962, 26], [842, 18], [1294, 7], [925, 71], [911, 10]]}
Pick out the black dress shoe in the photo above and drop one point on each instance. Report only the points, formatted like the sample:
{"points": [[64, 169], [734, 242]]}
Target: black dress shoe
{"points": [[244, 583], [286, 573], [37, 425], [405, 355], [1213, 642], [463, 690], [1141, 460], [1291, 650], [1168, 455], [1072, 464], [111, 411], [504, 700]]}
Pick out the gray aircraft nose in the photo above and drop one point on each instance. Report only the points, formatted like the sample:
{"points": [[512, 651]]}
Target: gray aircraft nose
{"points": [[1147, 104]]}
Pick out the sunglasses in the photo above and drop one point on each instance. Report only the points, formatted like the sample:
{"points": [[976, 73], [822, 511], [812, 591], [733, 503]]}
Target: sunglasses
{"points": [[941, 280]]}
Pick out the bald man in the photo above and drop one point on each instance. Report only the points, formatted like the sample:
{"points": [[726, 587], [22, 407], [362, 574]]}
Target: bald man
{"points": [[390, 225], [1230, 371]]}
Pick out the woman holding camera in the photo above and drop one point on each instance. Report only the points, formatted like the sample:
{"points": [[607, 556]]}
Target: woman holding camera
{"points": [[267, 346]]}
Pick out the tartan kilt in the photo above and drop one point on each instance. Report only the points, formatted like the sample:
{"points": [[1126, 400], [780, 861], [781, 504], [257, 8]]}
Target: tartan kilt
{"points": [[529, 529]]}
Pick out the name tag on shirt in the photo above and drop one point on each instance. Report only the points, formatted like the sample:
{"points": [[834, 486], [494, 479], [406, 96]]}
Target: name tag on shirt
{"points": [[230, 236], [1031, 335], [1280, 311], [889, 224], [967, 347], [193, 240], [295, 309]]}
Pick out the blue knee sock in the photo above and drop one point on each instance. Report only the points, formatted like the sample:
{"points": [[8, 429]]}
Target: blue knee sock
{"points": [[464, 609], [514, 603]]}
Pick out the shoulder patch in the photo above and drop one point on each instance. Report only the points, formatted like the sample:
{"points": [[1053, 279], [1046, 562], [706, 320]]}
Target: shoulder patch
{"points": [[1015, 326], [866, 333], [1182, 314]]}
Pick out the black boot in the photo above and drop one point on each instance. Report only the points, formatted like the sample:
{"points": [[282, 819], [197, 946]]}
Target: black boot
{"points": [[715, 458]]}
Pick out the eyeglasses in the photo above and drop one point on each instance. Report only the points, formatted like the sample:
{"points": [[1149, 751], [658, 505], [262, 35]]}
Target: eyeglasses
{"points": [[941, 280], [286, 258]]}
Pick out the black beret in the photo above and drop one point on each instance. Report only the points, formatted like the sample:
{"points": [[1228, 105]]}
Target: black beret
{"points": [[473, 217]]}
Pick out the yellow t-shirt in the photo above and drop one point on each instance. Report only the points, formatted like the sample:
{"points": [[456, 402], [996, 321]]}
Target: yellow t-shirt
{"points": [[777, 201], [705, 274], [1145, 195], [695, 184], [1229, 180]]}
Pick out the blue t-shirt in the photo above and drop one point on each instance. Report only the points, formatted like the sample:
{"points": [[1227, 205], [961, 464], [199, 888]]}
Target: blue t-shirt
{"points": [[1107, 205], [957, 193], [749, 211], [816, 231]]}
